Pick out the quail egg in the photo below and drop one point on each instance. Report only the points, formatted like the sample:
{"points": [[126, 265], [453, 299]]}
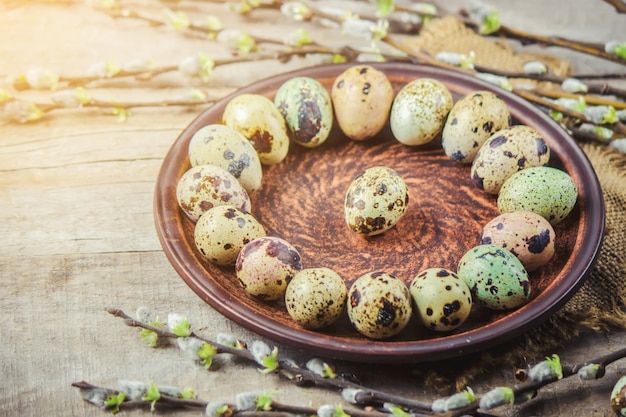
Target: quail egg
{"points": [[225, 147], [379, 305], [496, 278], [443, 301], [375, 201], [506, 152], [316, 297], [221, 232], [472, 120], [265, 266], [362, 97], [257, 118]]}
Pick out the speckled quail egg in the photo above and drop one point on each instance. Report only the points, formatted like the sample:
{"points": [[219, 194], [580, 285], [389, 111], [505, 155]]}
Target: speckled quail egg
{"points": [[419, 111], [618, 397], [307, 108], [526, 235], [223, 146], [223, 231], [547, 191], [257, 118], [506, 152], [206, 186], [379, 305], [362, 97], [375, 201], [496, 278], [443, 301], [265, 266], [316, 297], [472, 120]]}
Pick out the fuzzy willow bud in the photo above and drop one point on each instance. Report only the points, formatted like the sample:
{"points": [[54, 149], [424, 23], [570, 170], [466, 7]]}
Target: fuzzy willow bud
{"points": [[497, 397], [574, 85]]}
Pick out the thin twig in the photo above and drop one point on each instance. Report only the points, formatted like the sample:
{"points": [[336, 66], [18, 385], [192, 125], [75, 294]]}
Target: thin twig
{"points": [[620, 6]]}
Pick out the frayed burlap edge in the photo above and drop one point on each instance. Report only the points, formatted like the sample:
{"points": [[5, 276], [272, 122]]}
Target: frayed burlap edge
{"points": [[598, 305]]}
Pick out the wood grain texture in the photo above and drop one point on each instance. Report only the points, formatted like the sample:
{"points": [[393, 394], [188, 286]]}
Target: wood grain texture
{"points": [[77, 227]]}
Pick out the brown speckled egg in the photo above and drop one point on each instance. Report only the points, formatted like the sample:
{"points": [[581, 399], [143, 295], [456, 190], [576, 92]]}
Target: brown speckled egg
{"points": [[419, 111], [206, 186], [375, 201], [443, 300], [379, 305], [316, 297], [224, 147], [266, 265], [362, 97], [257, 118], [472, 120], [506, 152], [526, 235], [223, 231], [308, 111]]}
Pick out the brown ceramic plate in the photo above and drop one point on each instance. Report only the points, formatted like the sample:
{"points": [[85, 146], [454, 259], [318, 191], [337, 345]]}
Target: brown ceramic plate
{"points": [[301, 200]]}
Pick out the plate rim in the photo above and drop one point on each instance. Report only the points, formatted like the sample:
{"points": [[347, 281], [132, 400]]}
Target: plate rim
{"points": [[389, 351]]}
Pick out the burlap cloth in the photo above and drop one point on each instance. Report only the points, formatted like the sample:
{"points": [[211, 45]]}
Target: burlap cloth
{"points": [[599, 303]]}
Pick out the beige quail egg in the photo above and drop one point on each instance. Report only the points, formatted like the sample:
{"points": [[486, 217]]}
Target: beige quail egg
{"points": [[506, 152], [223, 146], [472, 120], [316, 297], [308, 111], [257, 118], [221, 232], [362, 97], [375, 201], [206, 186], [549, 192], [442, 299], [496, 278], [379, 305], [526, 235], [265, 266], [419, 111]]}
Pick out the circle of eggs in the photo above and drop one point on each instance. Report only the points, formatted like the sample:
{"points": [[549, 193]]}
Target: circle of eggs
{"points": [[506, 152], [547, 191], [375, 201], [379, 305], [496, 278], [307, 109], [205, 186], [525, 234], [362, 97], [442, 299], [221, 232], [419, 111], [266, 265], [257, 118], [225, 147], [316, 297]]}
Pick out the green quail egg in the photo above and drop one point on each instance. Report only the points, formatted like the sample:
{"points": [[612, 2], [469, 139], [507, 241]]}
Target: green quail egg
{"points": [[316, 297], [496, 278], [362, 97], [379, 305], [205, 186], [265, 266], [375, 201], [221, 232], [442, 299], [225, 147], [419, 111], [547, 191], [506, 152], [257, 118], [308, 111], [526, 235], [472, 120]]}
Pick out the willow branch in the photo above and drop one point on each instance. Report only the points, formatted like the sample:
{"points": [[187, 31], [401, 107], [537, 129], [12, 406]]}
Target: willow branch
{"points": [[620, 6]]}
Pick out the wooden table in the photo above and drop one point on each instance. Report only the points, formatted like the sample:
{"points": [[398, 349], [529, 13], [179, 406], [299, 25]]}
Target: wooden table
{"points": [[78, 235]]}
